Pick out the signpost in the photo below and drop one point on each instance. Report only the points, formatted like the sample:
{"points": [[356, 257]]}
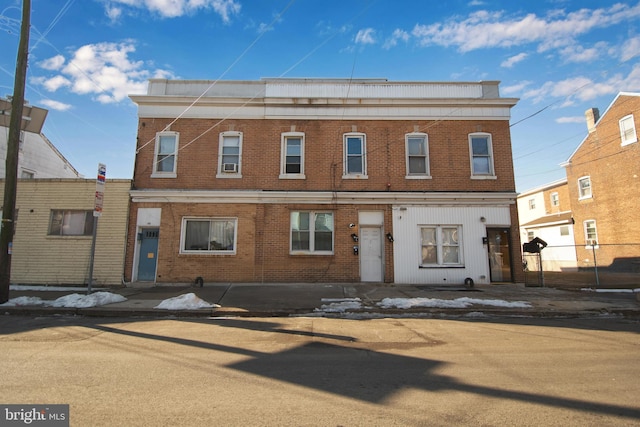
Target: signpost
{"points": [[97, 212]]}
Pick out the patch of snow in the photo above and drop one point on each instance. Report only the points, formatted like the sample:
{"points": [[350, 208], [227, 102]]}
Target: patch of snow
{"points": [[185, 302], [340, 306], [40, 288], [69, 301], [404, 303], [610, 290]]}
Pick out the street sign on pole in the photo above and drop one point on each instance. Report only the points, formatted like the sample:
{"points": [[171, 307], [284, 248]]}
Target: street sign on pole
{"points": [[97, 212]]}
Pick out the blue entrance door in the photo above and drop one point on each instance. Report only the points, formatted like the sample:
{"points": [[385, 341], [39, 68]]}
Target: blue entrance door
{"points": [[147, 259]]}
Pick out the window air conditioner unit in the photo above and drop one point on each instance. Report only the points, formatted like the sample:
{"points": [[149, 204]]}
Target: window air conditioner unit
{"points": [[230, 167]]}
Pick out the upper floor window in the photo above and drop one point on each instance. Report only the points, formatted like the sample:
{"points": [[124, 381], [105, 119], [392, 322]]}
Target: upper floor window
{"points": [[355, 156], [555, 199], [71, 223], [417, 149], [230, 155], [628, 130], [590, 233], [441, 245], [209, 235], [584, 187], [166, 155], [481, 152], [312, 232], [292, 161], [532, 204]]}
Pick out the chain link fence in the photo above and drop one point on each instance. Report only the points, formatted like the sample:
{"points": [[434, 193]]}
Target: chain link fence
{"points": [[574, 266]]}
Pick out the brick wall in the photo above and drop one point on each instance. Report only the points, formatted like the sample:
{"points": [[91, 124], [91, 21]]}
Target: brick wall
{"points": [[615, 182], [385, 151]]}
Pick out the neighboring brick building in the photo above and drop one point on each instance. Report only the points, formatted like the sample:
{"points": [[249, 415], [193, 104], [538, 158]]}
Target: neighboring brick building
{"points": [[545, 212], [316, 180], [603, 176]]}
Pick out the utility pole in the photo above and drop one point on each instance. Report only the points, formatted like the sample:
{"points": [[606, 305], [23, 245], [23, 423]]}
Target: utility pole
{"points": [[13, 146]]}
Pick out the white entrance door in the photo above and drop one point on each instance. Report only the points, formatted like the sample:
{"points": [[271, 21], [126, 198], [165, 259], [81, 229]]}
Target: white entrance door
{"points": [[371, 266]]}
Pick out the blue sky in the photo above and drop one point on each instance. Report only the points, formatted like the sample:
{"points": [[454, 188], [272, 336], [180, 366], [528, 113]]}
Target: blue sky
{"points": [[559, 57]]}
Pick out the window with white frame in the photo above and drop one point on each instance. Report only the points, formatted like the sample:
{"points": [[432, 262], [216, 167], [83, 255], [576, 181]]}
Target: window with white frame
{"points": [[417, 149], [230, 155], [440, 246], [628, 130], [292, 161], [590, 233], [532, 204], [481, 152], [530, 235], [584, 187], [209, 235], [555, 199], [355, 155], [564, 230], [71, 223], [166, 155], [311, 232]]}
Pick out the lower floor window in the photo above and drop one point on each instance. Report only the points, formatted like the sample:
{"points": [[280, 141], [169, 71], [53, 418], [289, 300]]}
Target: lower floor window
{"points": [[440, 245], [209, 235], [71, 223], [312, 232]]}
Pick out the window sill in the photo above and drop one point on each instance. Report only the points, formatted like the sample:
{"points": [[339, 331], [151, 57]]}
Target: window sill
{"points": [[292, 176], [200, 253], [305, 253], [164, 175], [630, 141], [441, 266], [355, 176], [229, 175], [417, 177], [482, 177], [585, 198]]}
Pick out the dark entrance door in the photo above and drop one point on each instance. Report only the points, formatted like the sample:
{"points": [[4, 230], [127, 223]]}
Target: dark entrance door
{"points": [[500, 265]]}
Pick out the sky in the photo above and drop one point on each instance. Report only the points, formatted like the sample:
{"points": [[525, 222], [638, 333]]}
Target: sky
{"points": [[558, 57]]}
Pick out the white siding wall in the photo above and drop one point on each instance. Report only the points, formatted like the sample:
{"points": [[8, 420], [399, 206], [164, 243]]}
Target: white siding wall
{"points": [[560, 254], [407, 246]]}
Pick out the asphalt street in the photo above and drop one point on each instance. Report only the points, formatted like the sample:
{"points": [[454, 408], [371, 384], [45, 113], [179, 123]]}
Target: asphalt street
{"points": [[307, 371]]}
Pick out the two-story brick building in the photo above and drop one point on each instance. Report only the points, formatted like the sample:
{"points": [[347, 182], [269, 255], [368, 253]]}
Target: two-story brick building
{"points": [[603, 176], [319, 180]]}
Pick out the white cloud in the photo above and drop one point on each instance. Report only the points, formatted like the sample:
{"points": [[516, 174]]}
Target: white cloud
{"points": [[557, 29], [366, 36], [510, 62], [55, 105], [103, 69], [584, 88], [575, 119], [630, 49], [516, 88], [581, 54], [53, 63], [395, 37], [174, 8]]}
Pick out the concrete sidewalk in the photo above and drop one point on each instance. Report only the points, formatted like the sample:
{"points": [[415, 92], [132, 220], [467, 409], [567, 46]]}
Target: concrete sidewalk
{"points": [[319, 299]]}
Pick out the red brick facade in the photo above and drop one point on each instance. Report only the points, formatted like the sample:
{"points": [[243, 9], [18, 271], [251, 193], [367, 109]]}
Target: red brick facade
{"points": [[613, 170], [263, 228]]}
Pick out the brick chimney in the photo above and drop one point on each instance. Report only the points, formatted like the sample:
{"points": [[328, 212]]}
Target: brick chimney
{"points": [[592, 115]]}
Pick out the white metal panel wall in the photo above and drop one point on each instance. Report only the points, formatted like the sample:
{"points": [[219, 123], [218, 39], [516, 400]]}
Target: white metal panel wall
{"points": [[407, 246]]}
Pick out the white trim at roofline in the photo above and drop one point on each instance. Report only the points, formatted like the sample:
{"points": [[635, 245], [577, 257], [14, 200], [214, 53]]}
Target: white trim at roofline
{"points": [[323, 197]]}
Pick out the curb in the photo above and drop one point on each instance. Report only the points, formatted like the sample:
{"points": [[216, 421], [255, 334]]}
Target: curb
{"points": [[311, 312]]}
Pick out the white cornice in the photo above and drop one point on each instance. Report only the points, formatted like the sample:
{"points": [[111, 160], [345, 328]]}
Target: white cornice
{"points": [[322, 197]]}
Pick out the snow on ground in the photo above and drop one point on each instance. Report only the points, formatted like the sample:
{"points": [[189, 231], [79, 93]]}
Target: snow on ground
{"points": [[185, 302], [346, 304], [611, 290], [70, 301], [442, 303]]}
